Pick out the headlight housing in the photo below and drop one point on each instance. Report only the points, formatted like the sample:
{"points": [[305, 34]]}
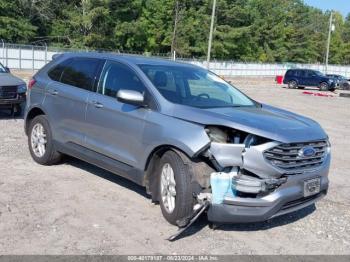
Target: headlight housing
{"points": [[22, 88]]}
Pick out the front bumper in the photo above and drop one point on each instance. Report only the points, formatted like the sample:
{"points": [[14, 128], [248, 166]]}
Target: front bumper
{"points": [[287, 198]]}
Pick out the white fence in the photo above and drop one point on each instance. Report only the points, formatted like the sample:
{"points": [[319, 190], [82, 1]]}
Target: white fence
{"points": [[34, 57]]}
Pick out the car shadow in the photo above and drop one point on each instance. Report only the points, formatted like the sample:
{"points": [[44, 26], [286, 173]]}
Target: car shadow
{"points": [[202, 221], [5, 114], [308, 89], [107, 175]]}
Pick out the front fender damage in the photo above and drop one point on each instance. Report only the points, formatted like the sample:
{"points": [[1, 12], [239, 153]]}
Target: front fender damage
{"points": [[231, 168]]}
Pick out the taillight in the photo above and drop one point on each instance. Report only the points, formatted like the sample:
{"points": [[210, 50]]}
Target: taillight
{"points": [[31, 83]]}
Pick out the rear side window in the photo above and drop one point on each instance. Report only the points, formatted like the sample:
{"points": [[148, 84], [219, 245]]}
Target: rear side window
{"points": [[56, 72], [81, 72], [290, 73]]}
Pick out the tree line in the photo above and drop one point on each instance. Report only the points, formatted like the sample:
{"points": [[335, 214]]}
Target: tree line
{"points": [[245, 30]]}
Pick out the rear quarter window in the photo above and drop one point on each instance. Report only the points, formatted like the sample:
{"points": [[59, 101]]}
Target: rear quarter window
{"points": [[81, 72], [56, 72], [291, 73]]}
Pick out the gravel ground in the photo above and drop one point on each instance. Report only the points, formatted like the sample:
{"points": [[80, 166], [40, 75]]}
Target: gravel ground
{"points": [[76, 208]]}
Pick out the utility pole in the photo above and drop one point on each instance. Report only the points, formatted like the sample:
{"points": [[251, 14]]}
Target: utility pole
{"points": [[211, 32], [331, 28], [176, 20]]}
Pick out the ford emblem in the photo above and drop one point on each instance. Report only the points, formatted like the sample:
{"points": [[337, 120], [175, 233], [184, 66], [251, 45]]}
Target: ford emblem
{"points": [[307, 151]]}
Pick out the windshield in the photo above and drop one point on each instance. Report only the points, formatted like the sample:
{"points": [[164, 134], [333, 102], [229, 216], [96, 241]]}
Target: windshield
{"points": [[2, 69], [194, 87]]}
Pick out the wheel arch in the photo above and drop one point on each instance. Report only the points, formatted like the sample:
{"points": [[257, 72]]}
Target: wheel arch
{"points": [[32, 113], [153, 159]]}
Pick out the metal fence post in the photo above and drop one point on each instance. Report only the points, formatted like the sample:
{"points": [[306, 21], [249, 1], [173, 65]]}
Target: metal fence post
{"points": [[7, 55], [33, 58], [45, 53], [3, 51], [20, 58]]}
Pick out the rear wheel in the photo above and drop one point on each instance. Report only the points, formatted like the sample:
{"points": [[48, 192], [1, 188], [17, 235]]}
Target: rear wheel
{"points": [[292, 84], [40, 142], [175, 194], [324, 86]]}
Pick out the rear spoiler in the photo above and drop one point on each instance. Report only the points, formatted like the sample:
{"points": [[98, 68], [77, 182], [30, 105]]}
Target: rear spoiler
{"points": [[55, 56]]}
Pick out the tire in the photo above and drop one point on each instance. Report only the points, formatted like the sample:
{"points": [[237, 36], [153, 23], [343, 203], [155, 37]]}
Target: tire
{"points": [[48, 155], [184, 201], [292, 84], [324, 86], [345, 86]]}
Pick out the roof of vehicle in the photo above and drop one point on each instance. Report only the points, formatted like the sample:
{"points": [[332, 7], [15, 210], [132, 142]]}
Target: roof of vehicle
{"points": [[301, 69], [134, 59]]}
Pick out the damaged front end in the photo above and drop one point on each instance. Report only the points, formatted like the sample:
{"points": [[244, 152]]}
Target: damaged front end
{"points": [[238, 156], [254, 178]]}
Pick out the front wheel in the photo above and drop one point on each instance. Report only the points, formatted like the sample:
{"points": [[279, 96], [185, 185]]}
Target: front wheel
{"points": [[175, 193], [324, 86], [40, 142]]}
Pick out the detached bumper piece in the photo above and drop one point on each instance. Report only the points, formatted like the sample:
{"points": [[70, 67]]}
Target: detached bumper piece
{"points": [[252, 185]]}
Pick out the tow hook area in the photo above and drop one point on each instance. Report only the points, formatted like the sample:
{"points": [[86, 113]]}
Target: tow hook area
{"points": [[198, 209]]}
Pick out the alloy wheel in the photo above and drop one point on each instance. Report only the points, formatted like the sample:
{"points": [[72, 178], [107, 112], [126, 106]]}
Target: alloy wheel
{"points": [[168, 187], [38, 140]]}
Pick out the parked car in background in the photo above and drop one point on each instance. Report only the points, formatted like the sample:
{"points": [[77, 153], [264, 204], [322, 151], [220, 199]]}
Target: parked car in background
{"points": [[193, 140], [341, 81], [12, 91], [301, 78]]}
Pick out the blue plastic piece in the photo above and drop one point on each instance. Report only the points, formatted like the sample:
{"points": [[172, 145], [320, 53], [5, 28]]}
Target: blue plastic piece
{"points": [[221, 186]]}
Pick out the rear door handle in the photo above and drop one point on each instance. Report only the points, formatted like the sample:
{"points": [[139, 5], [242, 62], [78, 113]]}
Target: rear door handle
{"points": [[53, 92], [97, 104]]}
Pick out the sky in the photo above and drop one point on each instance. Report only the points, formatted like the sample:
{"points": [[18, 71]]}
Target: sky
{"points": [[343, 6]]}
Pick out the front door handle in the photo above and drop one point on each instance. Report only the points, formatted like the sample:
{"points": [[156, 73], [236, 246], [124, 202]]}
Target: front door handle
{"points": [[97, 104], [53, 92]]}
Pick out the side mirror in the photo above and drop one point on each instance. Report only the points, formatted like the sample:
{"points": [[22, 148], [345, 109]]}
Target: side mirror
{"points": [[7, 70], [131, 97]]}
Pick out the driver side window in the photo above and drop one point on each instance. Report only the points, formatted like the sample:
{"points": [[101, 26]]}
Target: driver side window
{"points": [[116, 76]]}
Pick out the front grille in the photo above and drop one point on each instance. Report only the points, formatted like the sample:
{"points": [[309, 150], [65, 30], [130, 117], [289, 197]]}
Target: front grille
{"points": [[289, 158], [8, 92]]}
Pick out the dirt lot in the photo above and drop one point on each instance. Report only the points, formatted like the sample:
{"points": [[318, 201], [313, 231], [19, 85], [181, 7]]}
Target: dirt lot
{"points": [[75, 208]]}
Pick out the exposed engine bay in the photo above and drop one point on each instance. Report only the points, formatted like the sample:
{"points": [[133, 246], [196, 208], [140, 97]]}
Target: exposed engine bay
{"points": [[237, 166]]}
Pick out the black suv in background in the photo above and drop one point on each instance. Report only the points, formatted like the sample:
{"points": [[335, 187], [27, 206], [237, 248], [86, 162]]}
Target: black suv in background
{"points": [[299, 78]]}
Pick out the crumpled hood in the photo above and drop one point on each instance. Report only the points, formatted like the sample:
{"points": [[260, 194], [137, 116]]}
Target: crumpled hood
{"points": [[265, 121], [10, 80]]}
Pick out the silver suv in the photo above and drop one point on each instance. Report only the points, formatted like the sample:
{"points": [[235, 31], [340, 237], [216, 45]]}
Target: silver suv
{"points": [[190, 138]]}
